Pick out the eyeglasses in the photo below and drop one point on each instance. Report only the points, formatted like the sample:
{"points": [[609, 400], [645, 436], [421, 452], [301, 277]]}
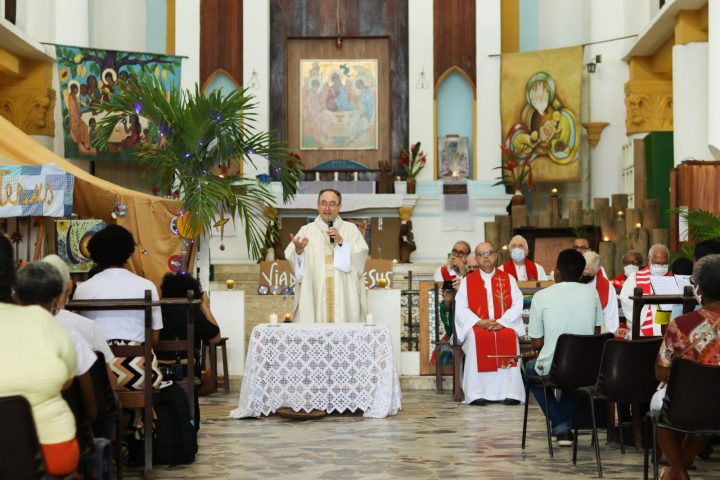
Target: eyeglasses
{"points": [[470, 268], [485, 253], [581, 247], [459, 253], [325, 204]]}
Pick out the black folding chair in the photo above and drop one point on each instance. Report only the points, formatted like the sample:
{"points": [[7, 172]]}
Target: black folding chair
{"points": [[681, 410], [575, 364], [627, 375], [20, 453]]}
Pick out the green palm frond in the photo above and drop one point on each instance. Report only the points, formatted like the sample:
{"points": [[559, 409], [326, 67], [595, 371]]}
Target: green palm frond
{"points": [[199, 134], [702, 224]]}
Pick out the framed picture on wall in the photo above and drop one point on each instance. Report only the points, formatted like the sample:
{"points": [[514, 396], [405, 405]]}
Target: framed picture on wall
{"points": [[453, 157]]}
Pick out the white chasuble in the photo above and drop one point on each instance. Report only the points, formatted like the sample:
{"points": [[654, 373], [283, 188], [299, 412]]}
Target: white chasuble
{"points": [[329, 278]]}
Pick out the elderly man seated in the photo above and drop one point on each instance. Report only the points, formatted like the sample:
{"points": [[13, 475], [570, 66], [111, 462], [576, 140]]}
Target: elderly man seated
{"points": [[593, 276], [521, 267], [651, 316], [454, 268], [693, 336], [488, 322]]}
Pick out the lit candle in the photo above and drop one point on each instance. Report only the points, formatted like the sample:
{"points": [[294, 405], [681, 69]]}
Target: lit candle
{"points": [[355, 176], [620, 213], [288, 317], [230, 283], [606, 239], [337, 175], [317, 176], [370, 319], [273, 318], [554, 192], [504, 247], [638, 225], [394, 260]]}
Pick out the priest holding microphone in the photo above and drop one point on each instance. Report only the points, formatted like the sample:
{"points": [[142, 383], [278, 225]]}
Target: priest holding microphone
{"points": [[328, 259]]}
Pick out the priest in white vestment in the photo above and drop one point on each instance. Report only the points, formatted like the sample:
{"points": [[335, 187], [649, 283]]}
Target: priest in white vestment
{"points": [[490, 317], [328, 259]]}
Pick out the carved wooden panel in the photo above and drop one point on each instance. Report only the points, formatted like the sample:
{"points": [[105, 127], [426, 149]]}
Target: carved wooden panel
{"points": [[454, 36], [221, 38], [357, 18]]}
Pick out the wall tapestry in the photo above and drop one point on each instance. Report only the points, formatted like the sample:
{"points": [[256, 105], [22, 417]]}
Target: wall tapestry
{"points": [[35, 190], [88, 77], [338, 104], [540, 107], [72, 237]]}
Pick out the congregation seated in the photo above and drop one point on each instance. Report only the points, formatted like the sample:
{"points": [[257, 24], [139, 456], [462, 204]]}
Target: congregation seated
{"points": [[593, 276], [176, 285], [454, 268], [520, 266], [39, 283], [693, 336], [39, 362], [110, 249], [652, 316], [568, 306], [632, 262], [488, 322]]}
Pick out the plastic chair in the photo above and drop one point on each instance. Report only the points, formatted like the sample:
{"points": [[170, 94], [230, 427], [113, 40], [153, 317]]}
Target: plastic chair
{"points": [[681, 411], [20, 453], [107, 407], [627, 375], [575, 364]]}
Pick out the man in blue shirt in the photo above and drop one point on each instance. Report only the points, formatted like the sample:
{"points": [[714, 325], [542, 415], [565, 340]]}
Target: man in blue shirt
{"points": [[566, 307]]}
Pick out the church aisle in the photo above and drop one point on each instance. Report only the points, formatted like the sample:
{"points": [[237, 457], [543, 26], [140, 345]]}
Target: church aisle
{"points": [[432, 437]]}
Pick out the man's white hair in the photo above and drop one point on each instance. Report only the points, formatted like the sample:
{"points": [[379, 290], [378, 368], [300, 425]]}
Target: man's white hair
{"points": [[520, 239], [592, 263], [658, 246], [60, 265]]}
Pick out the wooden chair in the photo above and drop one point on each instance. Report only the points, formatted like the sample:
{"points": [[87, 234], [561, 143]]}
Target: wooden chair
{"points": [[144, 399], [210, 350], [20, 453]]}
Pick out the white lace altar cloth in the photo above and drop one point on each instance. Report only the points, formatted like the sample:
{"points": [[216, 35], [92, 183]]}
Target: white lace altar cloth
{"points": [[336, 367]]}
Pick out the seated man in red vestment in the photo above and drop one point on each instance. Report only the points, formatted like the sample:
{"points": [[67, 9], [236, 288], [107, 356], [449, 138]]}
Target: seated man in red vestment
{"points": [[632, 262], [488, 321], [454, 268], [521, 267]]}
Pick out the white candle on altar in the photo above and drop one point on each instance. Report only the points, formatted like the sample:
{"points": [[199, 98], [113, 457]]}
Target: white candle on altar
{"points": [[336, 176], [355, 176], [370, 319], [317, 176], [273, 318]]}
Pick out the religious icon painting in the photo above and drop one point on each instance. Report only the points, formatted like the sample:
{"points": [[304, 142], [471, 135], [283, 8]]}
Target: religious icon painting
{"points": [[338, 104], [71, 242]]}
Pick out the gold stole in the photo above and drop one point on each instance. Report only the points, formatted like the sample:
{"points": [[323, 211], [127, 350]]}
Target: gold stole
{"points": [[329, 282]]}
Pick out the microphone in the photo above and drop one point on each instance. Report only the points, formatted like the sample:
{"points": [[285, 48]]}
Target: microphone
{"points": [[330, 224]]}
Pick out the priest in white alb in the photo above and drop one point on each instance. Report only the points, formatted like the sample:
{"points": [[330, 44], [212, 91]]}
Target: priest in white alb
{"points": [[328, 259], [488, 308]]}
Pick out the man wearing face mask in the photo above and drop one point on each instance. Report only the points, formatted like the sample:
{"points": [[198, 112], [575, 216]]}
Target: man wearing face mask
{"points": [[328, 259], [521, 267], [593, 276], [632, 262], [651, 317]]}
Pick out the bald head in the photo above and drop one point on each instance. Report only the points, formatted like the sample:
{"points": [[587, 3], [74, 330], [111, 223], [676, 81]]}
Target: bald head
{"points": [[486, 256]]}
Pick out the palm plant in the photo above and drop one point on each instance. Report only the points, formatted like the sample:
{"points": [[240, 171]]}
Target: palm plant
{"points": [[701, 225], [201, 142]]}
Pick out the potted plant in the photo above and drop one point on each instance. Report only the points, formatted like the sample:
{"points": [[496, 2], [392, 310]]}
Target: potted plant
{"points": [[412, 163], [515, 170], [198, 144]]}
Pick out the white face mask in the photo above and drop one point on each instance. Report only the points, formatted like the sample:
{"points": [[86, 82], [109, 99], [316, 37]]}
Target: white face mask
{"points": [[658, 270], [630, 269], [517, 254]]}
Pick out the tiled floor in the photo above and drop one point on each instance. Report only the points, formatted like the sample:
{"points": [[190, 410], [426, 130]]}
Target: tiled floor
{"points": [[432, 437]]}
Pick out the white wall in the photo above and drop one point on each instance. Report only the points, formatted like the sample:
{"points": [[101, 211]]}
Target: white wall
{"points": [[420, 46], [489, 129], [120, 25], [690, 102], [714, 79]]}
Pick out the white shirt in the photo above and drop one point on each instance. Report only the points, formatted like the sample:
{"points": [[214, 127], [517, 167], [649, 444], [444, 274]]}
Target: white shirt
{"points": [[119, 283], [611, 315], [88, 330], [85, 355], [438, 274]]}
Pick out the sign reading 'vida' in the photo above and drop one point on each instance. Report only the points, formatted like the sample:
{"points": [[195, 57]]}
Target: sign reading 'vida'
{"points": [[279, 274]]}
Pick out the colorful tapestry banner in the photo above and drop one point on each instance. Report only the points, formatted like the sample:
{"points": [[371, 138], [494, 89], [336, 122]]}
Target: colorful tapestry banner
{"points": [[88, 77], [540, 107], [35, 190]]}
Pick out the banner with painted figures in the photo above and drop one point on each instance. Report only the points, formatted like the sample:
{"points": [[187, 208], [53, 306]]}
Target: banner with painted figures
{"points": [[35, 190], [90, 76]]}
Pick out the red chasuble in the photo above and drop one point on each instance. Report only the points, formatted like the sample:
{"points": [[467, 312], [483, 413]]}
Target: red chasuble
{"points": [[530, 269], [502, 342], [602, 285]]}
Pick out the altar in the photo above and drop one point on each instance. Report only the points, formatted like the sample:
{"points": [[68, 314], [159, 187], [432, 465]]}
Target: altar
{"points": [[328, 367]]}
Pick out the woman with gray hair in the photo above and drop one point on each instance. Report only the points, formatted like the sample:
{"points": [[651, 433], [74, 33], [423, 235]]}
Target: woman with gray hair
{"points": [[594, 276], [701, 326]]}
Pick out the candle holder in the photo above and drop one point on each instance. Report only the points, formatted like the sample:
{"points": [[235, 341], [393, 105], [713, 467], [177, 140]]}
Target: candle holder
{"points": [[554, 192], [230, 284]]}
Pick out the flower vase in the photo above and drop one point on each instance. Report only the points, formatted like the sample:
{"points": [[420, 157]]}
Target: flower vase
{"points": [[411, 183], [518, 198]]}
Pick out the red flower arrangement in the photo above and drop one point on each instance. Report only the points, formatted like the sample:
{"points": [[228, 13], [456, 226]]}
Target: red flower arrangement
{"points": [[515, 171], [412, 162]]}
